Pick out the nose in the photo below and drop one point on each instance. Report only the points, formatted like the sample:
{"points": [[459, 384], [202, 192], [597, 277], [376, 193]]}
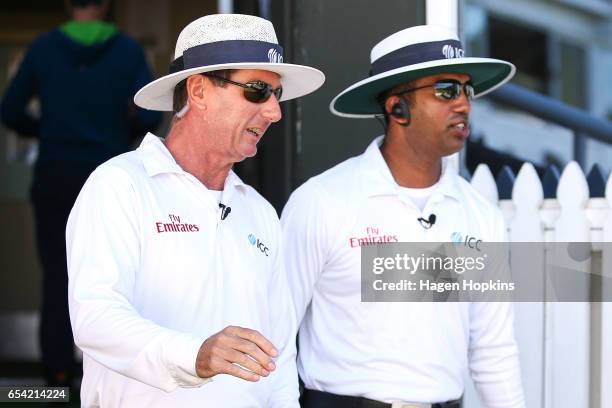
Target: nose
{"points": [[271, 109], [462, 103]]}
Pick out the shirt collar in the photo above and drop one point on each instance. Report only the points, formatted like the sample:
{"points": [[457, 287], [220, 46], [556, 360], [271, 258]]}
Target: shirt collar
{"points": [[157, 159], [378, 180]]}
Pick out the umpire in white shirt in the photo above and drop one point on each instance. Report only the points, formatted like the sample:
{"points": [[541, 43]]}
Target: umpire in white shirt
{"points": [[403, 188], [176, 286]]}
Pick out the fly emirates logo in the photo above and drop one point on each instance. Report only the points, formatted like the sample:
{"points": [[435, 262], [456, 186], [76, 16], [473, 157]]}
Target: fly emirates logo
{"points": [[175, 225], [372, 236]]}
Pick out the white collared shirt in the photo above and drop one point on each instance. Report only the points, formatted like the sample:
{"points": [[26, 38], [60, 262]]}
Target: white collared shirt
{"points": [[415, 352], [153, 272]]}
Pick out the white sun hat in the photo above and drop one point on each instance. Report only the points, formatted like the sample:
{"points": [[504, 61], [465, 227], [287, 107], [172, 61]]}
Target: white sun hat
{"points": [[413, 53], [228, 41]]}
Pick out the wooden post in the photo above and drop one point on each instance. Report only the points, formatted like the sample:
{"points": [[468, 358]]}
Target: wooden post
{"points": [[567, 330], [528, 265]]}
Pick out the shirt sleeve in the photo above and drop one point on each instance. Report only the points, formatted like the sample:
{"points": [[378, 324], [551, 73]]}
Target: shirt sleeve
{"points": [[103, 253], [14, 108], [493, 352], [304, 240], [285, 389]]}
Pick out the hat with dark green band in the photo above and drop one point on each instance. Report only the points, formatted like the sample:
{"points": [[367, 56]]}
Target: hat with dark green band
{"points": [[413, 53]]}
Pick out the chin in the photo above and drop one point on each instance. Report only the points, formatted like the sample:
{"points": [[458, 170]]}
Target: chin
{"points": [[454, 148], [245, 150], [249, 153]]}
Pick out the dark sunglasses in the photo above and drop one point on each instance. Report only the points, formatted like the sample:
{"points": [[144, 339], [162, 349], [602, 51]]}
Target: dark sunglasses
{"points": [[446, 89], [254, 91]]}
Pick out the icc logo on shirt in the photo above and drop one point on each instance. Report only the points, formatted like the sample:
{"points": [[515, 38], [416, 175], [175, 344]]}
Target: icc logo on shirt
{"points": [[260, 245], [470, 242]]}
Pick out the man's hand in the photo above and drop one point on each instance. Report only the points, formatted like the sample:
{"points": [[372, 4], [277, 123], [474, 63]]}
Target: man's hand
{"points": [[221, 353]]}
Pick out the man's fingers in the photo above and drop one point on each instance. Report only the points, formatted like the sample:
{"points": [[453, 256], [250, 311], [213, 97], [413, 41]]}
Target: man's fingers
{"points": [[236, 371], [254, 337], [247, 362], [253, 350], [237, 351]]}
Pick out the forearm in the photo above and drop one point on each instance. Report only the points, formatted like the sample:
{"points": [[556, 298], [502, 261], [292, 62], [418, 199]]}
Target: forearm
{"points": [[112, 333]]}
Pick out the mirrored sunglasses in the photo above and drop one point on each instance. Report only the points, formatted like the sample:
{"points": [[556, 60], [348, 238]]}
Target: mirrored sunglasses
{"points": [[447, 89]]}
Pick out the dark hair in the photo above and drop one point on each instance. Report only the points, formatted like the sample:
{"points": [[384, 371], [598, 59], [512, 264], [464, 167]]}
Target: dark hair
{"points": [[179, 98], [84, 3], [408, 97]]}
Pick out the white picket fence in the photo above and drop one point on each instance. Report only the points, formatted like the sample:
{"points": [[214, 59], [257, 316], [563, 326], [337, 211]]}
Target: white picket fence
{"points": [[566, 348]]}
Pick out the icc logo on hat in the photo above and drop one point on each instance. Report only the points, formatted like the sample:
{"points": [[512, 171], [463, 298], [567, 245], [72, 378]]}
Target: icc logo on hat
{"points": [[452, 52], [274, 56]]}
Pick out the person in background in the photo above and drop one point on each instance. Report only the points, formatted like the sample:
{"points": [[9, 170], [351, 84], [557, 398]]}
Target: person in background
{"points": [[85, 74]]}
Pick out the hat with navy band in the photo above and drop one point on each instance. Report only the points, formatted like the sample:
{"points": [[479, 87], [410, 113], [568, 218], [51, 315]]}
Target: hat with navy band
{"points": [[228, 41], [414, 53]]}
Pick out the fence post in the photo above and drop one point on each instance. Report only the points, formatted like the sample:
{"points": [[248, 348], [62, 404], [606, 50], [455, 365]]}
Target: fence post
{"points": [[484, 182], [567, 329], [528, 264]]}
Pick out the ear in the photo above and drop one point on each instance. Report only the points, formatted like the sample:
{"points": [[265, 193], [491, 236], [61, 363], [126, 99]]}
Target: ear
{"points": [[403, 117], [392, 100], [196, 90]]}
